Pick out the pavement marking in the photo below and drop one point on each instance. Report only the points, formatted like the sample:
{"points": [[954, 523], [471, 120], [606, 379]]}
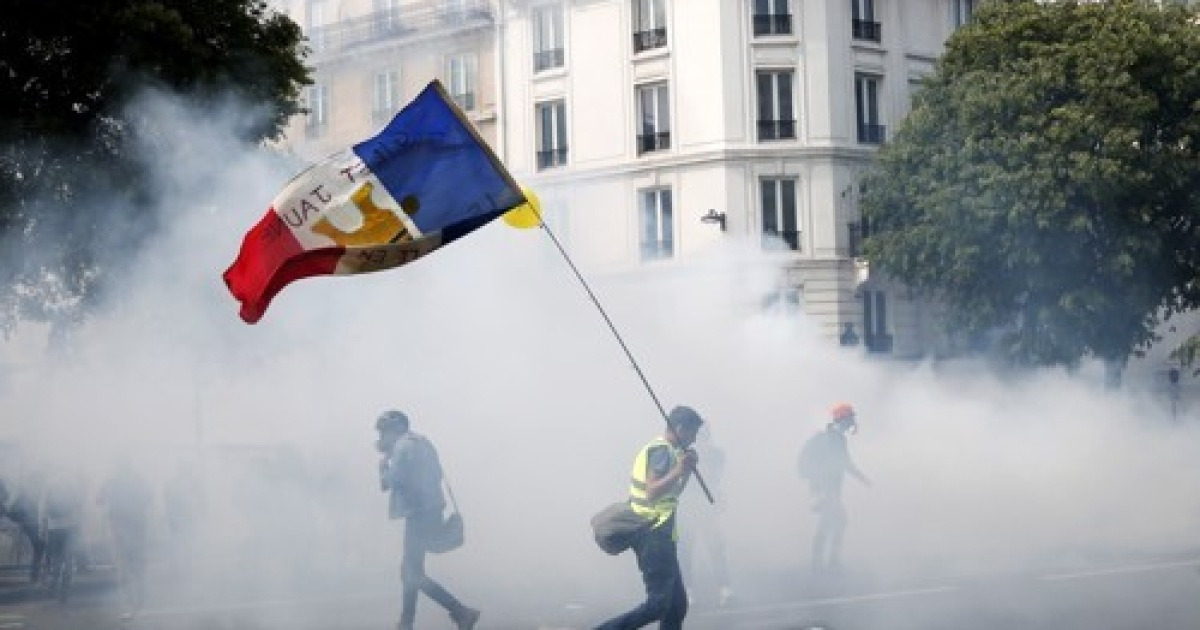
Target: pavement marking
{"points": [[1120, 570], [852, 599]]}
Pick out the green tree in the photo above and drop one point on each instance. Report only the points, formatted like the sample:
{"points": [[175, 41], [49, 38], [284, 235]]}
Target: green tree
{"points": [[1045, 187], [68, 72]]}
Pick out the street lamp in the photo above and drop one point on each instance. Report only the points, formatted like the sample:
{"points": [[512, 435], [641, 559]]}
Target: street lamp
{"points": [[714, 217]]}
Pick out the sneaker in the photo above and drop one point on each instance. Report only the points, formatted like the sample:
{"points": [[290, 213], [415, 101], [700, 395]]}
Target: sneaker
{"points": [[466, 618]]}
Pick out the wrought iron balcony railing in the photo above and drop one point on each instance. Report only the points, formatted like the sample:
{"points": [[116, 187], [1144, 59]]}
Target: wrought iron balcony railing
{"points": [[653, 38], [867, 30], [648, 142], [772, 24], [549, 158], [776, 129]]}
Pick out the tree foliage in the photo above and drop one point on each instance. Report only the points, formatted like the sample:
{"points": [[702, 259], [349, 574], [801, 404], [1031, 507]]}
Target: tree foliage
{"points": [[1045, 187], [68, 71]]}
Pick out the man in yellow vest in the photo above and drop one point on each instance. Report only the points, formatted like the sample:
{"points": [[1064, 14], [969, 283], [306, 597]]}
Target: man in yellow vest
{"points": [[660, 472]]}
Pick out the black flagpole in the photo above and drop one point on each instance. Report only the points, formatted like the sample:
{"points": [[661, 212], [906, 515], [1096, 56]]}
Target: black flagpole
{"points": [[613, 328]]}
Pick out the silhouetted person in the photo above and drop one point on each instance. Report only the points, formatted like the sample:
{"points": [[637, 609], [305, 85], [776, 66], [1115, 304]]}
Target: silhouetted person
{"points": [[849, 337], [24, 509], [824, 462], [412, 475], [660, 472]]}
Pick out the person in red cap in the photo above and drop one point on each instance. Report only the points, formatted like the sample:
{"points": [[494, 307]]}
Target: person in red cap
{"points": [[824, 462]]}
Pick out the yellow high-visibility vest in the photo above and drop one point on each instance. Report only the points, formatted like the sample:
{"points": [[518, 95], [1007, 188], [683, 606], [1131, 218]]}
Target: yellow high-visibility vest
{"points": [[660, 509]]}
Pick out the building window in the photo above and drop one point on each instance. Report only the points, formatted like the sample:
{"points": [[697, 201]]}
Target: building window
{"points": [[863, 25], [875, 326], [772, 17], [657, 226], [776, 120], [654, 134], [547, 37], [552, 134], [386, 17], [779, 225], [866, 102], [453, 11], [385, 95], [461, 73], [962, 11], [318, 22], [318, 110], [649, 24]]}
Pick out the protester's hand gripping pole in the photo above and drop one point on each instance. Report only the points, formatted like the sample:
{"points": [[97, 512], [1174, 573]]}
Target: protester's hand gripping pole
{"points": [[533, 206]]}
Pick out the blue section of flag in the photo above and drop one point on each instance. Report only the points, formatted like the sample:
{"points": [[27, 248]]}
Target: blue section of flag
{"points": [[429, 153]]}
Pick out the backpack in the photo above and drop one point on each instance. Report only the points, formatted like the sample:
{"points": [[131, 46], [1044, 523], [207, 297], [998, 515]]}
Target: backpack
{"points": [[617, 527]]}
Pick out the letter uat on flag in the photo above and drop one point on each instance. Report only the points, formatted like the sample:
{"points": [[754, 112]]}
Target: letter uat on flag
{"points": [[424, 181]]}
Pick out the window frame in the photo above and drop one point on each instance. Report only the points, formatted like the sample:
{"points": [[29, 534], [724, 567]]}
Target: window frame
{"points": [[653, 131], [868, 108], [318, 102], [469, 62], [385, 98], [649, 21], [656, 241], [547, 22], [551, 149], [779, 213], [767, 18], [776, 127]]}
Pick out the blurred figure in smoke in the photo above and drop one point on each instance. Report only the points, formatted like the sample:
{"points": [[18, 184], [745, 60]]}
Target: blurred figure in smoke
{"points": [[412, 475], [24, 509], [127, 500], [62, 517], [824, 462], [703, 531], [660, 472]]}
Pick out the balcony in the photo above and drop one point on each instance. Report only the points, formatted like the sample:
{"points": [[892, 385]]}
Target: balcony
{"points": [[871, 133], [382, 26], [465, 101], [776, 129], [649, 142], [550, 158], [772, 24], [867, 30], [547, 59], [646, 40], [790, 240]]}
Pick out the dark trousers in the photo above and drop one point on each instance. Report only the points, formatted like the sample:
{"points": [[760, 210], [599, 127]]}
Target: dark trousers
{"points": [[418, 529], [831, 527], [666, 600]]}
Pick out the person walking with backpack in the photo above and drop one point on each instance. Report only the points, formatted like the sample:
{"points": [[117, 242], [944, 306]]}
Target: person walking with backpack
{"points": [[660, 472], [412, 476], [824, 462]]}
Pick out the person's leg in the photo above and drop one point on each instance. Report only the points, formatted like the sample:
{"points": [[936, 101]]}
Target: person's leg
{"points": [[412, 570], [837, 529], [421, 527], [677, 606], [654, 551]]}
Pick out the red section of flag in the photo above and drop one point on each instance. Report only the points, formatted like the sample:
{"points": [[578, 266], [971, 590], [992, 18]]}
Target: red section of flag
{"points": [[269, 260]]}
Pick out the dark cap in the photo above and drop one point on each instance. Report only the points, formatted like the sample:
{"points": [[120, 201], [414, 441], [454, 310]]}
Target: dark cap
{"points": [[391, 419], [684, 416]]}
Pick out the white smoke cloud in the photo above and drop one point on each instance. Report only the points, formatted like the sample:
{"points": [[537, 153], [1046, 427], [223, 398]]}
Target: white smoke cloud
{"points": [[495, 352]]}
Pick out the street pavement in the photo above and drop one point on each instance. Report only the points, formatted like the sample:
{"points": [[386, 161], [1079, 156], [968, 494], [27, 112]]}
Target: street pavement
{"points": [[1151, 591]]}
